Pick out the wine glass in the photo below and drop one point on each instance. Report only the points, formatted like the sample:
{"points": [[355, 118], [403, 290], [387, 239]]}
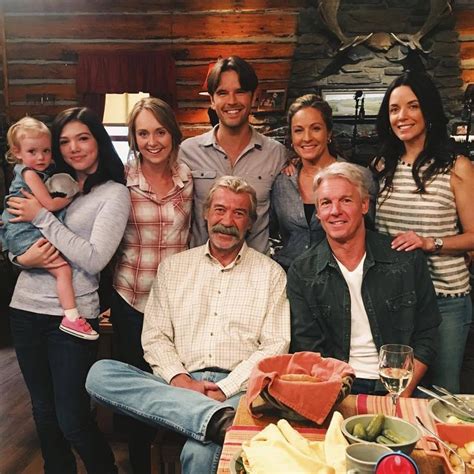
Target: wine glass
{"points": [[395, 369]]}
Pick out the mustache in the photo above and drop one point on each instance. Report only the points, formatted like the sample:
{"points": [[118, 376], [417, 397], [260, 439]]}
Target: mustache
{"points": [[222, 229]]}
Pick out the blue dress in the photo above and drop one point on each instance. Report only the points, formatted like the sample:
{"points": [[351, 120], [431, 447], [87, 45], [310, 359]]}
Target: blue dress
{"points": [[18, 237]]}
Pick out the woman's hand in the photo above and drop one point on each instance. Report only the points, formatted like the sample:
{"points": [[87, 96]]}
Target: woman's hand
{"points": [[24, 208], [411, 240], [289, 169], [42, 254]]}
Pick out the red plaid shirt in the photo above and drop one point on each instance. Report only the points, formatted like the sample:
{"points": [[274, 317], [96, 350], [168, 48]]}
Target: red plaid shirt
{"points": [[156, 228]]}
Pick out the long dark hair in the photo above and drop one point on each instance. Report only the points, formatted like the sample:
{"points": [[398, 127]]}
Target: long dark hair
{"points": [[436, 146], [110, 166]]}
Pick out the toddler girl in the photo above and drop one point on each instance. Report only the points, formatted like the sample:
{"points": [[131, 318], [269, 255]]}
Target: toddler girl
{"points": [[29, 142]]}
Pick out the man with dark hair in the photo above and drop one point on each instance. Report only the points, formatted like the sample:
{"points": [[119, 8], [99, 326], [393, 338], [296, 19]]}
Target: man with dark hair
{"points": [[352, 293], [214, 312], [233, 147]]}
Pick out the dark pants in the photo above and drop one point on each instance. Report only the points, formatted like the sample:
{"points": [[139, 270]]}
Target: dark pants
{"points": [[375, 387], [128, 324], [54, 366]]}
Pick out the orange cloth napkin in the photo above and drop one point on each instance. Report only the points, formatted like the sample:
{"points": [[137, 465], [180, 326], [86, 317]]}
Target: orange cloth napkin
{"points": [[305, 382]]}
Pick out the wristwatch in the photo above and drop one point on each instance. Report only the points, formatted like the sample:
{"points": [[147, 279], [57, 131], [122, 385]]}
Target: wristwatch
{"points": [[438, 244]]}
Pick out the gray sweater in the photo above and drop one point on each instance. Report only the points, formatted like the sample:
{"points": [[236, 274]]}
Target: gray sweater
{"points": [[92, 230]]}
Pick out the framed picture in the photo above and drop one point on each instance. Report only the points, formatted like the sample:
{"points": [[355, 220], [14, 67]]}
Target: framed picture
{"points": [[459, 128], [342, 101], [271, 100]]}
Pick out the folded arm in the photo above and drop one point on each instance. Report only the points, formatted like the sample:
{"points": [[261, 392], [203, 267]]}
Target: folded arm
{"points": [[92, 254]]}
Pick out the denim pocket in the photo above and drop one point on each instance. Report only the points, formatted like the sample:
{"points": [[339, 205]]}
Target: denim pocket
{"points": [[404, 306]]}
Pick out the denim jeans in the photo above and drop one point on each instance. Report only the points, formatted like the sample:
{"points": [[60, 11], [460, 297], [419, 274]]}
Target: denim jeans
{"points": [[55, 365], [148, 398], [456, 314], [128, 324]]}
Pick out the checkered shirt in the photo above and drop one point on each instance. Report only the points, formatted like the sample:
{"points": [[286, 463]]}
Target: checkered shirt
{"points": [[156, 228], [201, 314]]}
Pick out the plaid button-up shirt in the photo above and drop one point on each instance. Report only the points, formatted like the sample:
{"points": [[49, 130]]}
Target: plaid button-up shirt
{"points": [[156, 228], [201, 314]]}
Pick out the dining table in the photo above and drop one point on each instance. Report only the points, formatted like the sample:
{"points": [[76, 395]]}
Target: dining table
{"points": [[427, 454]]}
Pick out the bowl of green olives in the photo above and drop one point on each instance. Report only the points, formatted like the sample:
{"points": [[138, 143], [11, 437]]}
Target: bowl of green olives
{"points": [[393, 432]]}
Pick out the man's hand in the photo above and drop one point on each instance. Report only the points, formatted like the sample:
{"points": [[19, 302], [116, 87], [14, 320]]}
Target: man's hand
{"points": [[185, 381], [210, 389], [213, 391]]}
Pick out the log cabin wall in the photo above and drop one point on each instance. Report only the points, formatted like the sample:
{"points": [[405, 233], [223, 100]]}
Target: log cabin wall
{"points": [[40, 41], [465, 29], [44, 38]]}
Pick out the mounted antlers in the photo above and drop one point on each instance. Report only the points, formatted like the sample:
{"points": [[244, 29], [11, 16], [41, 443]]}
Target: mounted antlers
{"points": [[328, 10], [438, 10]]}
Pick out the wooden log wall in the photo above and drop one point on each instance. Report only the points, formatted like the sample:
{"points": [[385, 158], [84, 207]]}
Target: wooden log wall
{"points": [[465, 28], [43, 39]]}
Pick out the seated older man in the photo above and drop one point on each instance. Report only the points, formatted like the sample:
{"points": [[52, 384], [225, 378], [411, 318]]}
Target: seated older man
{"points": [[213, 312], [352, 293]]}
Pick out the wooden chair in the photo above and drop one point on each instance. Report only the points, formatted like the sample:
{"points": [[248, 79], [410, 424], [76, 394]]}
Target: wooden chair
{"points": [[165, 452]]}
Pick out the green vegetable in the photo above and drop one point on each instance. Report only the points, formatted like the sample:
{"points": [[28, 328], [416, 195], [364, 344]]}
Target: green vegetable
{"points": [[383, 440], [375, 427], [359, 431], [394, 437]]}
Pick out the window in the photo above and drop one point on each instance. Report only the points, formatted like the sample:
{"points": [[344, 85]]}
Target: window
{"points": [[117, 109]]}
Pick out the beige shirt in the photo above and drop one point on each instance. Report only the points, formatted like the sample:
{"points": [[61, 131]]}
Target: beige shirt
{"points": [[259, 164], [201, 314]]}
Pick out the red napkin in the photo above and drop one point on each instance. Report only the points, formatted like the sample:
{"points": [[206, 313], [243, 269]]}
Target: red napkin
{"points": [[313, 399]]}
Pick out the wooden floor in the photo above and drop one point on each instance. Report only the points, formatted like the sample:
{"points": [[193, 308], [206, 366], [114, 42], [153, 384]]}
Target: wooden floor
{"points": [[19, 447]]}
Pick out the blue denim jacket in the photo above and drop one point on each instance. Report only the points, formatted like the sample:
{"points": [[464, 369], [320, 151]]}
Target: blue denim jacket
{"points": [[398, 296], [288, 222], [289, 228]]}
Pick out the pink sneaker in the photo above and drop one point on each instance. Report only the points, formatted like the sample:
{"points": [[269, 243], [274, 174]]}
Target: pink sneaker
{"points": [[79, 328]]}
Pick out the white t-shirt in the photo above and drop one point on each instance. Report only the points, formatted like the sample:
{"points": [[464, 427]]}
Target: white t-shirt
{"points": [[363, 355]]}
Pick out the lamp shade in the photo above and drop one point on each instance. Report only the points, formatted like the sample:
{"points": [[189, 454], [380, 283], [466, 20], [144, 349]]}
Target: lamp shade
{"points": [[203, 90]]}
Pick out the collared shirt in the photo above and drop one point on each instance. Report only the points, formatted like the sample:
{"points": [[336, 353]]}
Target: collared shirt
{"points": [[201, 314], [289, 228], [397, 293], [156, 228], [259, 164]]}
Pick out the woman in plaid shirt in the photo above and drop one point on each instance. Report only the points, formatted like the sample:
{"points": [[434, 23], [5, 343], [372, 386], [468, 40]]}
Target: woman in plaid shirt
{"points": [[161, 192]]}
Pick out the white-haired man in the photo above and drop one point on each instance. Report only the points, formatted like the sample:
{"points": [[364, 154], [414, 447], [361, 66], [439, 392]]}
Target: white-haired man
{"points": [[352, 292], [214, 311]]}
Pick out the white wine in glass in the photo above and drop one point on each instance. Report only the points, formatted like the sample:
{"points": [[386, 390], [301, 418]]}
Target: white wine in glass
{"points": [[395, 369]]}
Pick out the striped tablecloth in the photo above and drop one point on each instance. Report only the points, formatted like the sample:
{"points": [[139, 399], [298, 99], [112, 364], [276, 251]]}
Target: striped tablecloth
{"points": [[245, 426]]}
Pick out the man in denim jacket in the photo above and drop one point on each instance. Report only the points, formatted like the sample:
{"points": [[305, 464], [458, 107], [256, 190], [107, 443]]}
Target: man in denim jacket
{"points": [[352, 293]]}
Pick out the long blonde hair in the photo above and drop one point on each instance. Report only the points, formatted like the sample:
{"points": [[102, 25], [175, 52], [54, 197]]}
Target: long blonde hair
{"points": [[27, 126]]}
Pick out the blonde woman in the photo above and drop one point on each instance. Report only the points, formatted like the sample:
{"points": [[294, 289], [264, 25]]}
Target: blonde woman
{"points": [[158, 226]]}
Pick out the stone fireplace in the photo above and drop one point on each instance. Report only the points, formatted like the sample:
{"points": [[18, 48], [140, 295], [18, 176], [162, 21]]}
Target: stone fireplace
{"points": [[320, 67]]}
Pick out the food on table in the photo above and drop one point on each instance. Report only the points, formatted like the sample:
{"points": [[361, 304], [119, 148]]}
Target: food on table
{"points": [[281, 449], [466, 452], [377, 432]]}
